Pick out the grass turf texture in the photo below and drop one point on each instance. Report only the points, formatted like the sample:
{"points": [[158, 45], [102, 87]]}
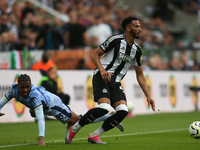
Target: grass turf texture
{"points": [[143, 132]]}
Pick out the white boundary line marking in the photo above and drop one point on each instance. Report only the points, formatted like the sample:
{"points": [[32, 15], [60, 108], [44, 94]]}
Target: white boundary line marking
{"points": [[140, 133]]}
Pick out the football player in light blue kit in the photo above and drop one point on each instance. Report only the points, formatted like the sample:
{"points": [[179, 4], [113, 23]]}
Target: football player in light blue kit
{"points": [[40, 102]]}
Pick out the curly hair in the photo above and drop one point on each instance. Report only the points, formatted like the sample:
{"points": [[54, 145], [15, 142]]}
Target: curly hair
{"points": [[24, 77], [126, 21]]}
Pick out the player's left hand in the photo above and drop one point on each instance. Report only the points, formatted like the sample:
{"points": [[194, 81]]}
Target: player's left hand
{"points": [[1, 114], [151, 103], [41, 141]]}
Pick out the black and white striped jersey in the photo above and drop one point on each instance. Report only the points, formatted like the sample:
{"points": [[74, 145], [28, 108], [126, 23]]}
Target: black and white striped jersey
{"points": [[119, 55]]}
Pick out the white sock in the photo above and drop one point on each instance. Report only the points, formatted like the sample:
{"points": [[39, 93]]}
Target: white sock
{"points": [[76, 127], [107, 115], [102, 118], [98, 132]]}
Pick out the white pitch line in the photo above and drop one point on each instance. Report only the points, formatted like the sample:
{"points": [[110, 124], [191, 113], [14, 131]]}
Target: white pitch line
{"points": [[161, 131]]}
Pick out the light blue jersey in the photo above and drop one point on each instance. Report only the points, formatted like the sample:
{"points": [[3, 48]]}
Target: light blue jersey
{"points": [[36, 98], [40, 101], [39, 97]]}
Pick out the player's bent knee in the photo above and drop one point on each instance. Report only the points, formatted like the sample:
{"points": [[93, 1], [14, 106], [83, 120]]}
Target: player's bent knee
{"points": [[121, 111], [114, 120], [105, 106], [121, 107]]}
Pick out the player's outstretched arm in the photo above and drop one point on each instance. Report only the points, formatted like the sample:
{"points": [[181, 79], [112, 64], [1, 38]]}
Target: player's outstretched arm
{"points": [[3, 101], [41, 125], [142, 82]]}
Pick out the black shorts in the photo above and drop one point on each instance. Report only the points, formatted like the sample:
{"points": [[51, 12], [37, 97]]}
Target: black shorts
{"points": [[110, 90]]}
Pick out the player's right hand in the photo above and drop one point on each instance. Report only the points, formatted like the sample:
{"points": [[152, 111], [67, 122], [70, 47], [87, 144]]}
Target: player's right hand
{"points": [[106, 76], [1, 114]]}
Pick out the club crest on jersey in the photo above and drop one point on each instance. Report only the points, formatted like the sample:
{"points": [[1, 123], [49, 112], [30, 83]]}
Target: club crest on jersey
{"points": [[104, 91], [133, 52], [125, 57]]}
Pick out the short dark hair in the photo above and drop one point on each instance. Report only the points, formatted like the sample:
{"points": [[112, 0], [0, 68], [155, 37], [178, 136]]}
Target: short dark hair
{"points": [[24, 77], [127, 20]]}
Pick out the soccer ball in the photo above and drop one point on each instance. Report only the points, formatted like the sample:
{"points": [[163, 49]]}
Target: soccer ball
{"points": [[130, 106], [194, 130]]}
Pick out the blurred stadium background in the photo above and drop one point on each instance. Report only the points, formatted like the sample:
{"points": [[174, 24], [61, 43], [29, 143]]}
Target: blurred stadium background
{"points": [[68, 31], [71, 29]]}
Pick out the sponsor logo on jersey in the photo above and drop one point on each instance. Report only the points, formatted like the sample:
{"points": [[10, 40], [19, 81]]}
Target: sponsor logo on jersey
{"points": [[125, 57]]}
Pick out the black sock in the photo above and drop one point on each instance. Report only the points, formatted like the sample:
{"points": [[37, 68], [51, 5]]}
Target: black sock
{"points": [[91, 115], [114, 120]]}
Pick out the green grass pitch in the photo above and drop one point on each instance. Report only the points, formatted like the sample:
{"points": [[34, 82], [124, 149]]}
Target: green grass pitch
{"points": [[162, 131]]}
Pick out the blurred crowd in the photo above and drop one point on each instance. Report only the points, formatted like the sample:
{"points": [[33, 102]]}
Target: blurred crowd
{"points": [[188, 6], [165, 9], [85, 25]]}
